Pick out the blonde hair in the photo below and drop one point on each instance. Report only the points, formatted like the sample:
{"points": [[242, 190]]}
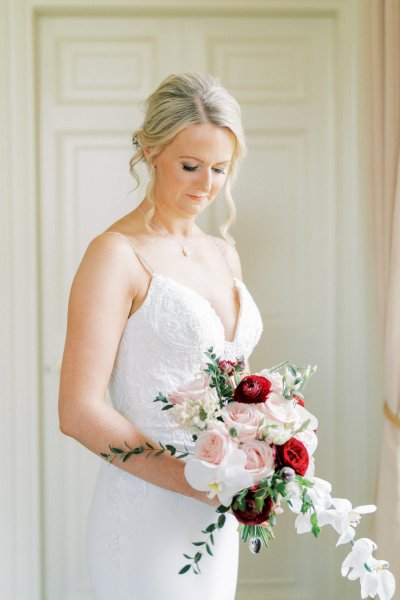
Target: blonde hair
{"points": [[182, 100]]}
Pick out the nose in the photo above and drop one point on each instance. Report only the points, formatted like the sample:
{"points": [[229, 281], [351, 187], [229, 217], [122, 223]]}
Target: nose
{"points": [[205, 180]]}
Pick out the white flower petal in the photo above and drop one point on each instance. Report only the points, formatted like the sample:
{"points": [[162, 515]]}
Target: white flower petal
{"points": [[369, 585], [199, 474], [366, 508], [387, 585], [346, 536], [302, 523]]}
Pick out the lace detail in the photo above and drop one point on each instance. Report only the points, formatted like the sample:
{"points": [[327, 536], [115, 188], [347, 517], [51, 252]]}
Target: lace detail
{"points": [[163, 345]]}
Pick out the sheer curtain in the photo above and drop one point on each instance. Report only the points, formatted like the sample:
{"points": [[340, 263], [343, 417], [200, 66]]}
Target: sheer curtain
{"points": [[384, 93]]}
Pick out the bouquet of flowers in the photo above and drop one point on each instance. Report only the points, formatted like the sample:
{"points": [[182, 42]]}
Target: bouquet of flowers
{"points": [[254, 450]]}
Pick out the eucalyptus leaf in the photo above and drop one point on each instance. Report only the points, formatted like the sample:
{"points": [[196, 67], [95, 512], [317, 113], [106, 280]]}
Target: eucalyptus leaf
{"points": [[184, 569], [221, 521]]}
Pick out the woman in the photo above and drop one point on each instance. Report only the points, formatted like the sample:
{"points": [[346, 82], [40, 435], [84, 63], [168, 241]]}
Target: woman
{"points": [[151, 294]]}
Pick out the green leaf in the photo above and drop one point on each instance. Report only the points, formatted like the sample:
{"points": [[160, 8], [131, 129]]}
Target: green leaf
{"points": [[211, 527], [222, 509], [127, 455], [104, 455], [184, 570], [221, 521], [138, 450], [167, 407], [197, 557], [212, 539], [291, 370], [159, 452], [315, 531], [171, 449], [160, 398], [117, 450], [198, 543], [202, 414], [209, 550], [259, 504]]}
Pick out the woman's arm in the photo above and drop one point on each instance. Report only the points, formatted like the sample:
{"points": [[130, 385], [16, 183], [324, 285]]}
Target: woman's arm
{"points": [[99, 304]]}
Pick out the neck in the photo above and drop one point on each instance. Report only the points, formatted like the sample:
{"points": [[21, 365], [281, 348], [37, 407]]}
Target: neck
{"points": [[183, 227]]}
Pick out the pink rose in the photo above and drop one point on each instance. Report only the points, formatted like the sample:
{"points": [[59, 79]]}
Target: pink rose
{"points": [[244, 418], [195, 390], [278, 409], [260, 458], [212, 446]]}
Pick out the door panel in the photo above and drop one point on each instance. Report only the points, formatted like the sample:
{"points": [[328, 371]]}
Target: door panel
{"points": [[92, 74]]}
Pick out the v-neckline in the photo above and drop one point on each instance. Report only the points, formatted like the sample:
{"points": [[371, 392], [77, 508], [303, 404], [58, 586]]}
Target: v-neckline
{"points": [[237, 282]]}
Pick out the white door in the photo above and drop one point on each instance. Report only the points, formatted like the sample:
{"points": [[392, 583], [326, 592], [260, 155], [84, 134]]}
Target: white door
{"points": [[92, 74]]}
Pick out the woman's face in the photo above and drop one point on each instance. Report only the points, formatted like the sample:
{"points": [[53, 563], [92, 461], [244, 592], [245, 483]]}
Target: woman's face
{"points": [[192, 169]]}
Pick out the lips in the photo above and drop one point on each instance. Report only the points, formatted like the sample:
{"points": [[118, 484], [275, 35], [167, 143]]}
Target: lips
{"points": [[196, 197]]}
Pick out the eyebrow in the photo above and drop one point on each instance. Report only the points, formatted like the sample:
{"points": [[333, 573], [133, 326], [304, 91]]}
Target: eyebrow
{"points": [[221, 162]]}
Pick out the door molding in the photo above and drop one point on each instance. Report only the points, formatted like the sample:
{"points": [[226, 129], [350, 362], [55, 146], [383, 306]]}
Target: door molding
{"points": [[20, 326]]}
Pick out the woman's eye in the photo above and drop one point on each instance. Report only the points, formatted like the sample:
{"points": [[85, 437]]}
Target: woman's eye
{"points": [[220, 171], [189, 168]]}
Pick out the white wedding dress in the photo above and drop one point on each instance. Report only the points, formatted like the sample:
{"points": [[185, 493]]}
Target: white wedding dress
{"points": [[137, 532]]}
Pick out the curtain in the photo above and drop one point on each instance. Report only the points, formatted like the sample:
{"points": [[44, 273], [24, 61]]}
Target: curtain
{"points": [[383, 41]]}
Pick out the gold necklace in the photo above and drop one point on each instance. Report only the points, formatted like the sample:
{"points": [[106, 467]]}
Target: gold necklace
{"points": [[184, 247]]}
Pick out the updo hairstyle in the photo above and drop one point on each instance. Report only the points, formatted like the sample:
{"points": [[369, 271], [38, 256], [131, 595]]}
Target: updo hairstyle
{"points": [[182, 100]]}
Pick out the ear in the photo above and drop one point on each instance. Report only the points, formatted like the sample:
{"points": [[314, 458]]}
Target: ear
{"points": [[149, 159]]}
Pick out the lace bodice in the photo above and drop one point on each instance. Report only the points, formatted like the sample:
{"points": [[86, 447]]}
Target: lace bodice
{"points": [[162, 347]]}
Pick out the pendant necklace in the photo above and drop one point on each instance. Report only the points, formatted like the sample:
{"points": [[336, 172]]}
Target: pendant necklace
{"points": [[184, 247]]}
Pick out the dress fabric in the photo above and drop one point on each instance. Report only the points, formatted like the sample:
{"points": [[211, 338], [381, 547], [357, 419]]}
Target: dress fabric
{"points": [[137, 532]]}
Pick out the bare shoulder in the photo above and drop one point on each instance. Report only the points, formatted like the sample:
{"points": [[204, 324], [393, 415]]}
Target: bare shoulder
{"points": [[111, 255], [109, 273], [231, 255]]}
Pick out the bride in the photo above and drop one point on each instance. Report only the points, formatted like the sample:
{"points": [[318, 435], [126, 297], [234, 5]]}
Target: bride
{"points": [[151, 294]]}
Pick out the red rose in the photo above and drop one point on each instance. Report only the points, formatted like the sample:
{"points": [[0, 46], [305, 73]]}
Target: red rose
{"points": [[253, 389], [250, 515], [294, 454]]}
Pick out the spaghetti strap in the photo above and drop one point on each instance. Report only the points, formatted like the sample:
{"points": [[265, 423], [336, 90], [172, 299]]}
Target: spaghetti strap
{"points": [[140, 256], [223, 256]]}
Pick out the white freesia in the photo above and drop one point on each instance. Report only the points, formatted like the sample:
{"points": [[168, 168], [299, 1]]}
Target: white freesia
{"points": [[195, 413], [344, 518], [276, 433], [376, 579], [223, 480]]}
